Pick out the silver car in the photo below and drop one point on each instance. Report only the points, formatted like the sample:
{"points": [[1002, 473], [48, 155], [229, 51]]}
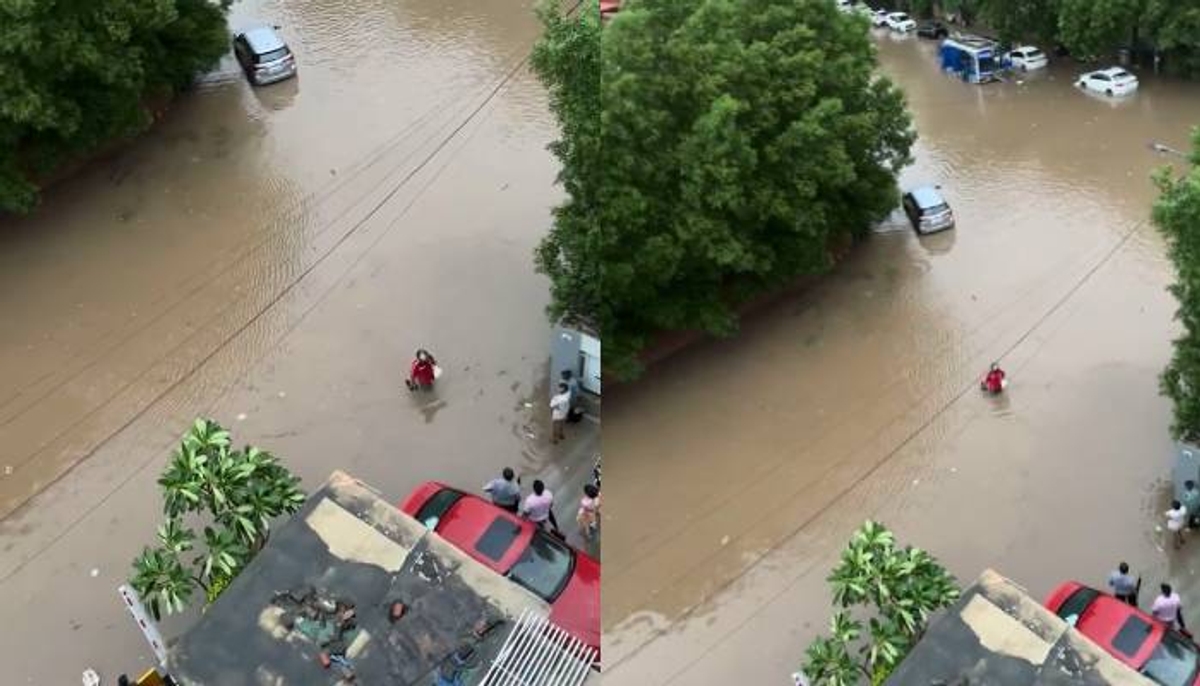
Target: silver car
{"points": [[264, 56]]}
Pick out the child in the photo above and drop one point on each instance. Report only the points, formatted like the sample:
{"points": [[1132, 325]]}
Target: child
{"points": [[589, 512]]}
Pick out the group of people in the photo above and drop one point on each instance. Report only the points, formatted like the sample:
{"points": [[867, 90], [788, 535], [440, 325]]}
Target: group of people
{"points": [[1166, 608], [538, 506]]}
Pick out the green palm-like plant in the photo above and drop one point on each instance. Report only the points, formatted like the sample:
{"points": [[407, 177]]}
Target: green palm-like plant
{"points": [[897, 588], [236, 492]]}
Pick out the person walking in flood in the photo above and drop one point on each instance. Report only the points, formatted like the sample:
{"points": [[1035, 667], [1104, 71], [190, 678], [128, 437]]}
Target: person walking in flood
{"points": [[505, 491], [560, 408], [574, 411], [995, 381], [588, 517], [1176, 520], [1124, 586], [1168, 608], [422, 372], [539, 506]]}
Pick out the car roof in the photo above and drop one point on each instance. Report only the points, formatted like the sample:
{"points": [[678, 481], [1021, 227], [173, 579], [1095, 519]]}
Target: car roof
{"points": [[1113, 71], [1105, 616], [467, 520], [263, 39], [927, 196], [1027, 48]]}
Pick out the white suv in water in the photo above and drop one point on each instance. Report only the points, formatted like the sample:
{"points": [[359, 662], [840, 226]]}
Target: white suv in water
{"points": [[899, 21], [1111, 81], [1028, 58]]}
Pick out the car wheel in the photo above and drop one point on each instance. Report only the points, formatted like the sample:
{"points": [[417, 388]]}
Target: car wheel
{"points": [[1108, 92]]}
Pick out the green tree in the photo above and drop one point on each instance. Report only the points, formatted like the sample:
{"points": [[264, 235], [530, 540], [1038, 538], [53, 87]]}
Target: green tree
{"points": [[234, 493], [567, 59], [74, 76], [1022, 20], [896, 590], [1174, 27], [739, 140], [1090, 28], [1177, 215]]}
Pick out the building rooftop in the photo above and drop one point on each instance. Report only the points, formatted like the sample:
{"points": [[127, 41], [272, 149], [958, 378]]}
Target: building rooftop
{"points": [[349, 545], [997, 635]]}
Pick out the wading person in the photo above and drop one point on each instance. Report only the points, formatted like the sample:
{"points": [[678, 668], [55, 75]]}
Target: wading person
{"points": [[560, 407], [1124, 586], [588, 517], [539, 506], [1176, 520], [1191, 502], [574, 411], [505, 491], [1168, 608], [422, 372]]}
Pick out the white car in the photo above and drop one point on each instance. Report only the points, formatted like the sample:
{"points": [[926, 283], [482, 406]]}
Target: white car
{"points": [[1111, 81], [1028, 58], [899, 21], [879, 18]]}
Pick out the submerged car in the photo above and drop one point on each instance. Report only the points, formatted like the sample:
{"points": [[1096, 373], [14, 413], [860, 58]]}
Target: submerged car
{"points": [[1028, 58], [879, 18], [264, 56], [1111, 81], [567, 579], [899, 21], [1157, 651], [927, 210], [932, 29]]}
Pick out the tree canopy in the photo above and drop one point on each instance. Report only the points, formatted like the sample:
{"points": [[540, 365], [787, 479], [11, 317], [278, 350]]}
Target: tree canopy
{"points": [[1177, 215], [738, 141], [896, 590], [75, 75]]}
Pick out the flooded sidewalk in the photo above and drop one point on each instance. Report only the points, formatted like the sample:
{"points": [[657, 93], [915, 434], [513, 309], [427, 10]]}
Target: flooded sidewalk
{"points": [[740, 468]]}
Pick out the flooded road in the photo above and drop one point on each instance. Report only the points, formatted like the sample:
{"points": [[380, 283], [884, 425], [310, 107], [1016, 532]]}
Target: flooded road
{"points": [[738, 470], [271, 258]]}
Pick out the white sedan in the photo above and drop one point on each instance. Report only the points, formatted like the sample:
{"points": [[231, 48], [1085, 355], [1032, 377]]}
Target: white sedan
{"points": [[899, 21], [1028, 58], [1111, 81]]}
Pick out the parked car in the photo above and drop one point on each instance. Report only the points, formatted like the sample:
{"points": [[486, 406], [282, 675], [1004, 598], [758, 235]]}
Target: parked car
{"points": [[932, 29], [518, 549], [899, 21], [264, 56], [927, 210], [1028, 58], [1160, 653], [879, 18], [1111, 81]]}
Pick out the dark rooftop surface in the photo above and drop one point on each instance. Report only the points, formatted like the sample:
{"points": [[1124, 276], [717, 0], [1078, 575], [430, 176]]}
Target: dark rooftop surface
{"points": [[348, 543], [996, 634]]}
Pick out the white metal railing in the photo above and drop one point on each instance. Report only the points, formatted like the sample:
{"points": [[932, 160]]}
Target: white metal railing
{"points": [[538, 653]]}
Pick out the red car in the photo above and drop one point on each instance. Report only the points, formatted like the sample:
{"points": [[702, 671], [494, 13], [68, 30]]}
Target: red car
{"points": [[565, 578], [1160, 653]]}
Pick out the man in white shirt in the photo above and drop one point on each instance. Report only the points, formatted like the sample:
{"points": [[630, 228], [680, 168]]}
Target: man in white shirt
{"points": [[539, 506], [560, 407]]}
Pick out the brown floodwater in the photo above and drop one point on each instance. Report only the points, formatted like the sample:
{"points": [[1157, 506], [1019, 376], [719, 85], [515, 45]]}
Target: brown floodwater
{"points": [[738, 469], [271, 257]]}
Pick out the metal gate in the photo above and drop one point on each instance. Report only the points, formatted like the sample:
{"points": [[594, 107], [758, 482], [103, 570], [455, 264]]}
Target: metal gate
{"points": [[538, 653]]}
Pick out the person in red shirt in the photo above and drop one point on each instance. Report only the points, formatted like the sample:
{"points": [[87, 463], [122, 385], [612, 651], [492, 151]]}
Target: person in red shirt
{"points": [[994, 381], [421, 372]]}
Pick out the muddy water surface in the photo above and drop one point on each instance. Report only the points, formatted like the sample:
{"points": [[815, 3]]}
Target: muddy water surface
{"points": [[271, 257], [738, 469]]}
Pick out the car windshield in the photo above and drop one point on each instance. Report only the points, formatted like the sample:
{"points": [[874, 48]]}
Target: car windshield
{"points": [[1173, 662], [1034, 54], [1121, 75], [435, 508], [544, 567], [273, 55], [900, 16], [937, 209], [1075, 605]]}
